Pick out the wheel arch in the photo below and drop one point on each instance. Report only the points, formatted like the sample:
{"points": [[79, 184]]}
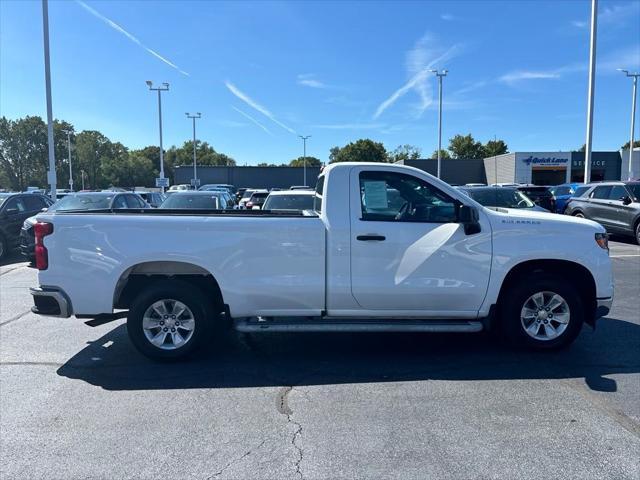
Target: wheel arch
{"points": [[579, 275], [141, 275]]}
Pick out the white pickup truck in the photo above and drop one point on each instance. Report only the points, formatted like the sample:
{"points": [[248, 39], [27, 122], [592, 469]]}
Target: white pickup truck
{"points": [[388, 248]]}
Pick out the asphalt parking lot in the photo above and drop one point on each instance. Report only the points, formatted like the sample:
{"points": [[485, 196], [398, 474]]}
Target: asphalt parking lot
{"points": [[79, 402]]}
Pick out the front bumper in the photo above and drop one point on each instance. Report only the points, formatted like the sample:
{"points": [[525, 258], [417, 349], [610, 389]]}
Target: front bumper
{"points": [[603, 307], [50, 301]]}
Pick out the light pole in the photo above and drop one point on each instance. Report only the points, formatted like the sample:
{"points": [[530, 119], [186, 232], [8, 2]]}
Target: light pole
{"points": [[304, 156], [51, 174], [633, 117], [68, 132], [441, 74], [195, 174], [163, 88], [592, 86], [82, 177]]}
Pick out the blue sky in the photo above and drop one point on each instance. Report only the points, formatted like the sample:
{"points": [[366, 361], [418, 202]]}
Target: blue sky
{"points": [[263, 72]]}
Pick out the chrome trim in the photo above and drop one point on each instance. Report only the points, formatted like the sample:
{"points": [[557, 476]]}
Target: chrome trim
{"points": [[58, 296]]}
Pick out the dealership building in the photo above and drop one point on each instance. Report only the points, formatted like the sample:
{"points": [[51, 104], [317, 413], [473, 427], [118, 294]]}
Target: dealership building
{"points": [[540, 168]]}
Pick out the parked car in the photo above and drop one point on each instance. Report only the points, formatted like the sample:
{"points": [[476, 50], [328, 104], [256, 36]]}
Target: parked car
{"points": [[194, 200], [614, 205], [289, 200], [239, 194], [15, 208], [230, 188], [246, 196], [79, 201], [154, 199], [503, 197], [183, 186], [229, 198], [256, 200], [435, 261], [540, 195], [562, 193], [300, 187]]}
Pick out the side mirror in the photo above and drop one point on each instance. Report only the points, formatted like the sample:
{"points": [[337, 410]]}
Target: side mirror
{"points": [[626, 200], [469, 218]]}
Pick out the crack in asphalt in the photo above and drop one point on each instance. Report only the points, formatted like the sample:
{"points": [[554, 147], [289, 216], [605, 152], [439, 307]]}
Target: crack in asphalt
{"points": [[625, 421], [17, 317], [237, 460], [283, 407]]}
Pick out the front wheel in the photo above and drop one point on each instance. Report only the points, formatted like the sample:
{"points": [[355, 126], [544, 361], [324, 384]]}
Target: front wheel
{"points": [[579, 214], [169, 320], [638, 233], [543, 312]]}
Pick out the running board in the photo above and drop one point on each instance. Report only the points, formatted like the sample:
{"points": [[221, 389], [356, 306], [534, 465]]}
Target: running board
{"points": [[359, 325]]}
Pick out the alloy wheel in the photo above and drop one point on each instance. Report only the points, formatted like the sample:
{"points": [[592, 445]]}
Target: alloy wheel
{"points": [[545, 315], [168, 324]]}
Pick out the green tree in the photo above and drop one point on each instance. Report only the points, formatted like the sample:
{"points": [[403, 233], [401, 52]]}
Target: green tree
{"points": [[403, 153], [363, 150], [23, 152], [311, 162], [636, 144], [92, 148], [494, 147], [465, 146], [205, 154], [443, 154]]}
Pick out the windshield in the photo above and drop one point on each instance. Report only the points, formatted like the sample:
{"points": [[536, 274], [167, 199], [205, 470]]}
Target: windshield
{"points": [[3, 198], [82, 202], [289, 202], [501, 197], [580, 191], [191, 201]]}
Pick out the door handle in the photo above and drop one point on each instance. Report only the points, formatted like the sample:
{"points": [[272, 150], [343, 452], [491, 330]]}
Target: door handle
{"points": [[367, 238]]}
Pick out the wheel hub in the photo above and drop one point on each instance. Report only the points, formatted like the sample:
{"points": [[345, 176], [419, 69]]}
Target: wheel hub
{"points": [[545, 315], [168, 324]]}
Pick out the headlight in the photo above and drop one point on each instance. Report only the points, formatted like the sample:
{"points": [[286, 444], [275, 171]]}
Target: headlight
{"points": [[602, 239]]}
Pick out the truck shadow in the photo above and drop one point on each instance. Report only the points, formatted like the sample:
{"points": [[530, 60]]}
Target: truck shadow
{"points": [[274, 359]]}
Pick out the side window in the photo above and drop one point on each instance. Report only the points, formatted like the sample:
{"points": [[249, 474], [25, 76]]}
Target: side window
{"points": [[561, 191], [398, 197], [617, 192], [601, 192], [35, 203], [317, 199], [16, 204], [119, 202], [134, 202]]}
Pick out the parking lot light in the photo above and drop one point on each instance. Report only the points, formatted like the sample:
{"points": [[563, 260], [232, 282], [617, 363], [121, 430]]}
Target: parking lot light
{"points": [[439, 75], [304, 156], [163, 88], [195, 173], [633, 117]]}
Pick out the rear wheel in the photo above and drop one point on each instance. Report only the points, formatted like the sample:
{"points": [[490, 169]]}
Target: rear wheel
{"points": [[3, 247], [638, 233], [579, 214], [542, 312], [170, 320]]}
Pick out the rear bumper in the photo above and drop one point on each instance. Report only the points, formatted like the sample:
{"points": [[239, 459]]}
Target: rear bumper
{"points": [[50, 301]]}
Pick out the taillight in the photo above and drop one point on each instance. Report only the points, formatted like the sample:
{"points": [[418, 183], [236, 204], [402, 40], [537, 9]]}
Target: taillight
{"points": [[42, 229]]}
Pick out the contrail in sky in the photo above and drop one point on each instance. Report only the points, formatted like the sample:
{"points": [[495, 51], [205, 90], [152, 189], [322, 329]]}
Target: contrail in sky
{"points": [[121, 30], [246, 115], [255, 105]]}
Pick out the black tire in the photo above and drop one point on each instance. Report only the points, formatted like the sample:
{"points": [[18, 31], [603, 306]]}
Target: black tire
{"points": [[579, 215], [201, 310], [638, 233], [514, 299], [3, 247]]}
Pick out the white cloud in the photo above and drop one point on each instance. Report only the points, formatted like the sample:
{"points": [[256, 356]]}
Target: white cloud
{"points": [[131, 37], [256, 106], [618, 13], [520, 75], [627, 58], [579, 23], [425, 55], [253, 120], [447, 17], [310, 80]]}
